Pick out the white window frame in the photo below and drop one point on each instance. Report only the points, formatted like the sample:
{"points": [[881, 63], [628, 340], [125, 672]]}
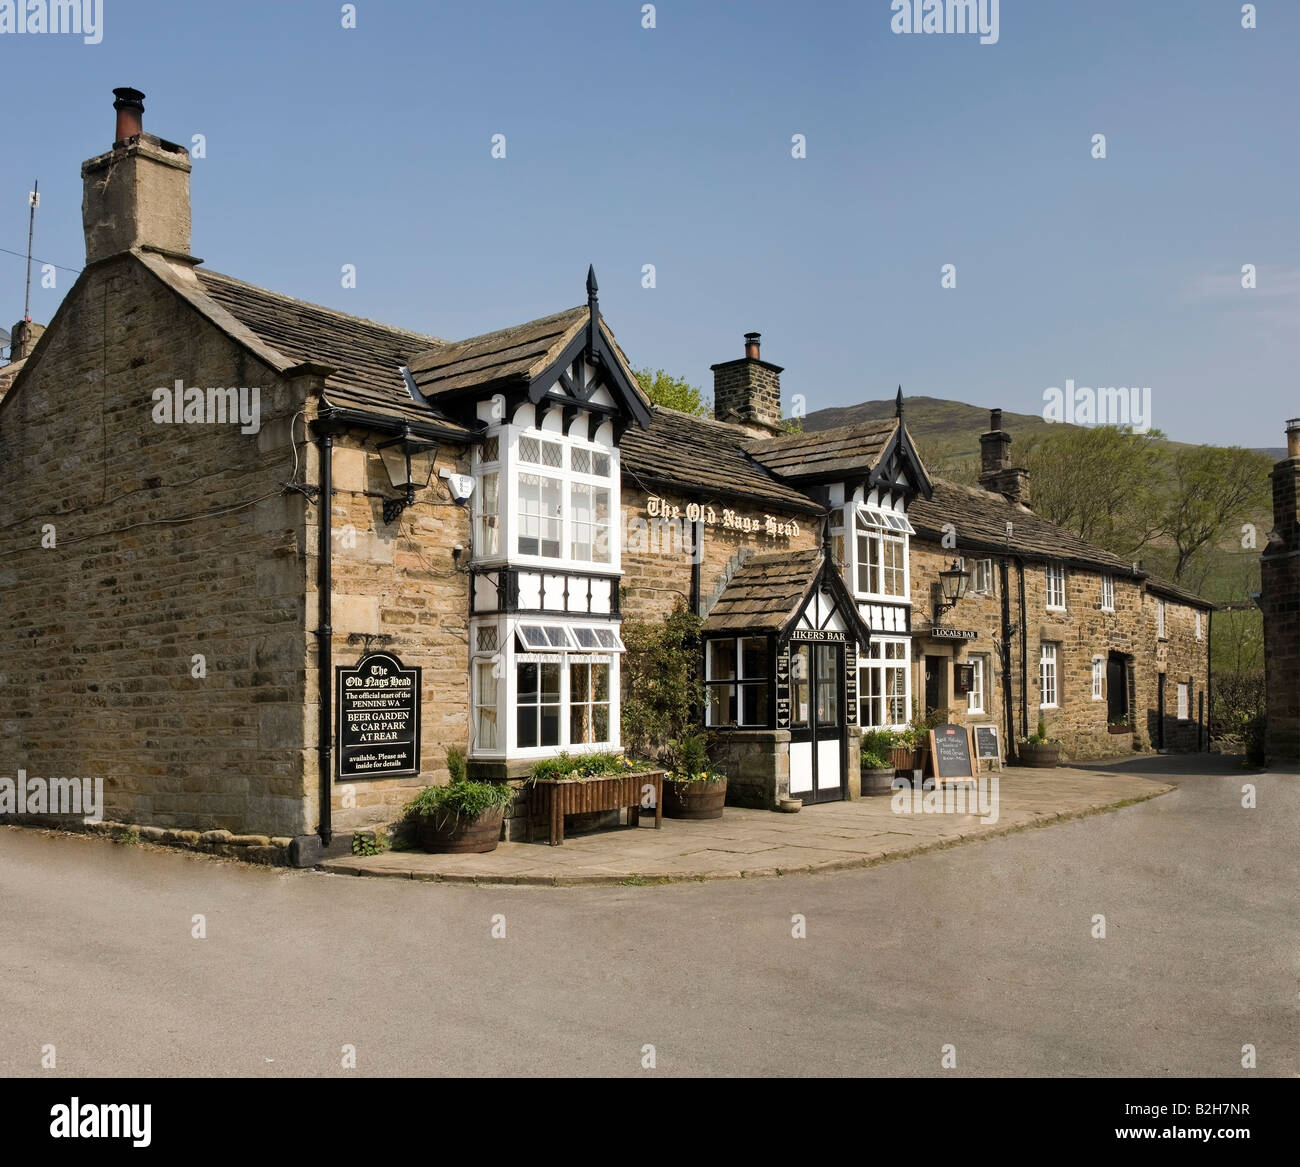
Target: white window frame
{"points": [[505, 660], [1107, 593], [1098, 677], [881, 527], [1055, 580], [975, 699], [1049, 658], [1160, 620], [876, 659], [1198, 626], [984, 566], [1184, 701], [509, 516]]}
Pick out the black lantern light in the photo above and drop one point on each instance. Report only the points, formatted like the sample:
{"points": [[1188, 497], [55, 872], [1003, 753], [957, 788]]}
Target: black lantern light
{"points": [[409, 461], [952, 587]]}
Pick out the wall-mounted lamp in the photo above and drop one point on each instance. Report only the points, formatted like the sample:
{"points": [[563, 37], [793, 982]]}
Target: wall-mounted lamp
{"points": [[952, 587], [409, 462]]}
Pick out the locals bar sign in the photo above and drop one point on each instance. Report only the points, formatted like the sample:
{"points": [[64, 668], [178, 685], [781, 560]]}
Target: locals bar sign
{"points": [[940, 633], [378, 718]]}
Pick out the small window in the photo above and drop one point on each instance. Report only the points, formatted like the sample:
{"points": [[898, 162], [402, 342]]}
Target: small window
{"points": [[1198, 626], [490, 450], [1182, 700], [1160, 619], [738, 678], [487, 639], [1107, 593], [540, 637], [975, 698], [1056, 586], [982, 577], [1098, 677], [1048, 693]]}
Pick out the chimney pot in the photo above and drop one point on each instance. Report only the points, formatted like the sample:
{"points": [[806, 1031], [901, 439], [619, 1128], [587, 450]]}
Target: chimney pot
{"points": [[751, 345], [995, 419], [129, 104], [1293, 438]]}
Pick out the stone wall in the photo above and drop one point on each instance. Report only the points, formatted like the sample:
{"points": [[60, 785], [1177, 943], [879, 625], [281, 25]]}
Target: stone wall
{"points": [[1280, 600], [1083, 631], [135, 555], [658, 552], [400, 585]]}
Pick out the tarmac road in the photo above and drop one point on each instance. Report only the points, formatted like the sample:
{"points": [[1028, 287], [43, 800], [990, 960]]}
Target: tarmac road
{"points": [[986, 947]]}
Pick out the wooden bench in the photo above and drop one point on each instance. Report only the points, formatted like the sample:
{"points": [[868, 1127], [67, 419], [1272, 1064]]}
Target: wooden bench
{"points": [[549, 800]]}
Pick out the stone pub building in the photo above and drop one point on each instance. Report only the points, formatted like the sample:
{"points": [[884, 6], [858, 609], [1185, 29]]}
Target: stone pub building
{"points": [[217, 496]]}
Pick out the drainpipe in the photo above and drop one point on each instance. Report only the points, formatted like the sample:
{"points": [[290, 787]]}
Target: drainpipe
{"points": [[697, 557], [1024, 653], [325, 635], [1008, 709]]}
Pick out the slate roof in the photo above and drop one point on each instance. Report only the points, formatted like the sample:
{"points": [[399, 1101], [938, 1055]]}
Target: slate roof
{"points": [[980, 517], [520, 352], [704, 457], [846, 451], [365, 354], [1173, 591], [766, 591]]}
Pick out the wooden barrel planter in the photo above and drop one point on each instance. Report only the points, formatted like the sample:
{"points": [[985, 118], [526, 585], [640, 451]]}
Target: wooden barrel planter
{"points": [[695, 800], [448, 834], [879, 781], [1044, 756]]}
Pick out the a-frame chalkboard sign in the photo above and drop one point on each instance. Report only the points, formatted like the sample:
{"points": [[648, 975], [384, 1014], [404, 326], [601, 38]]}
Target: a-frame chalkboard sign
{"points": [[950, 756]]}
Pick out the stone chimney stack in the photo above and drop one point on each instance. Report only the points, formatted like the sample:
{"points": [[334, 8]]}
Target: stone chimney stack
{"points": [[996, 472], [747, 391], [23, 339], [1279, 570], [137, 194]]}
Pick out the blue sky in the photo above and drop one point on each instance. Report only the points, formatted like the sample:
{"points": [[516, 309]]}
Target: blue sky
{"points": [[671, 146]]}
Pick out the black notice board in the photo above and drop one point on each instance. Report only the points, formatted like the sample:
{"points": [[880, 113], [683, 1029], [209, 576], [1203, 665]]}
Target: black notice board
{"points": [[950, 753], [378, 718], [986, 743]]}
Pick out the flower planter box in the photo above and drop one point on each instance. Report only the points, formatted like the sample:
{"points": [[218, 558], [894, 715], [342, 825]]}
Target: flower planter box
{"points": [[550, 799], [695, 800], [1119, 729], [446, 833], [906, 759], [1044, 756], [879, 781]]}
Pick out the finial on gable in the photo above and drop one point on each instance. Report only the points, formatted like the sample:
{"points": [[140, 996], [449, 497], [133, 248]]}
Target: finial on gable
{"points": [[593, 311], [898, 404]]}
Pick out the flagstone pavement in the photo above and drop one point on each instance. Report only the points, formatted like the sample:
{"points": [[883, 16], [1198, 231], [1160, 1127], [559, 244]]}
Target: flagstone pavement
{"points": [[749, 843]]}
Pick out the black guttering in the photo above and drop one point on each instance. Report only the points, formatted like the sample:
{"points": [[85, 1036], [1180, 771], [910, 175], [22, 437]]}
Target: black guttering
{"points": [[384, 424]]}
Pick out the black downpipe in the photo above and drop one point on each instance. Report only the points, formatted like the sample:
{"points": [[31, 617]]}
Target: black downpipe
{"points": [[1024, 653], [697, 557], [325, 635], [1008, 709]]}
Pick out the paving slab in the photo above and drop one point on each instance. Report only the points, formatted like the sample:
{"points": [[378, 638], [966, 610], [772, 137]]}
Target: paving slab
{"points": [[750, 844]]}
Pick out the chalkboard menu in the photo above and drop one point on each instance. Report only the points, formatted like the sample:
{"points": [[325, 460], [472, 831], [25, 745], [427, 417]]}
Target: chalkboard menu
{"points": [[378, 718], [986, 743], [950, 752]]}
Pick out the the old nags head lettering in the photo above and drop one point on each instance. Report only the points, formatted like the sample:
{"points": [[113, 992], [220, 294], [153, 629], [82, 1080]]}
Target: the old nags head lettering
{"points": [[378, 718]]}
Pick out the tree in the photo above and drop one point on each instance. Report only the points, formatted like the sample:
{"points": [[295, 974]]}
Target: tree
{"points": [[1101, 482], [673, 392], [1215, 488]]}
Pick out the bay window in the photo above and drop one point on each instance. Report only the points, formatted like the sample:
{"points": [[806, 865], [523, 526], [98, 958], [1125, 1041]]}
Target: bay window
{"points": [[882, 552], [883, 684]]}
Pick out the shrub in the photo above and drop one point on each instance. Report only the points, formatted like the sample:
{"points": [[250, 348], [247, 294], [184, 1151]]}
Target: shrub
{"points": [[687, 759], [601, 764], [661, 679], [462, 799], [874, 761]]}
